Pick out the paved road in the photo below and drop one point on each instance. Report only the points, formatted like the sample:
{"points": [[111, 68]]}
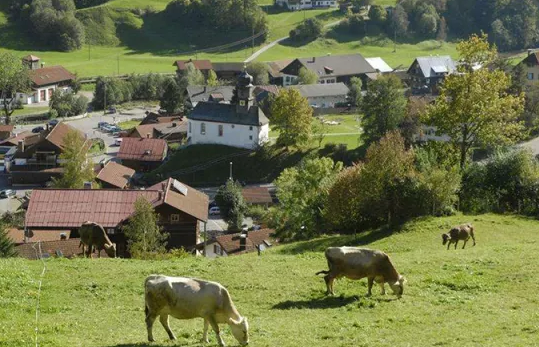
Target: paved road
{"points": [[88, 126]]}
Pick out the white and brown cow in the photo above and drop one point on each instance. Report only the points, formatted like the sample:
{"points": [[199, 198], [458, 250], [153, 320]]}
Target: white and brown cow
{"points": [[462, 232], [357, 263], [187, 298], [93, 236]]}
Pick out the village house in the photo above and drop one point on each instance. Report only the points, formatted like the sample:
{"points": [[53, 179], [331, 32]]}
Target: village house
{"points": [[203, 65], [241, 125], [142, 154], [329, 69], [45, 80], [196, 94], [37, 158], [274, 70], [531, 67], [427, 73], [324, 95], [114, 175], [295, 5], [175, 131], [155, 118], [224, 70], [241, 243], [180, 209], [6, 132]]}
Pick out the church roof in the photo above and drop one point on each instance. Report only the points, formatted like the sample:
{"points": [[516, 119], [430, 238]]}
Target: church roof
{"points": [[227, 113]]}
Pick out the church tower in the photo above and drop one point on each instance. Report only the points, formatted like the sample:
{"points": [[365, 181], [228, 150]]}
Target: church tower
{"points": [[244, 88]]}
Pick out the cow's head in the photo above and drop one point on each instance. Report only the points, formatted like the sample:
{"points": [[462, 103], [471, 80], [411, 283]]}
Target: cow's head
{"points": [[110, 250], [398, 286], [240, 330], [445, 238]]}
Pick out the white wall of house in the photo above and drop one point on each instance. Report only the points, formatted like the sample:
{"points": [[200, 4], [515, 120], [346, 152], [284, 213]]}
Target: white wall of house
{"points": [[235, 135], [214, 250], [326, 101], [306, 4]]}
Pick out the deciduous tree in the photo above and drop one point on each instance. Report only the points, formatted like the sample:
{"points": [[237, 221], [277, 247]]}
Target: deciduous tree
{"points": [[77, 169], [212, 80], [232, 205], [292, 116], [474, 107], [13, 79], [355, 87], [172, 99], [260, 73], [384, 106], [306, 76], [143, 233]]}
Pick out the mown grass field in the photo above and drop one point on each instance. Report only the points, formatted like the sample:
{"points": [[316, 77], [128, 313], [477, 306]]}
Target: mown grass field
{"points": [[481, 296]]}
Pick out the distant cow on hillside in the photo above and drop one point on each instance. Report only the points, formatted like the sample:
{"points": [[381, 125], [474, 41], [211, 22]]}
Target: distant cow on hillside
{"points": [[93, 235], [187, 298], [356, 263], [461, 232]]}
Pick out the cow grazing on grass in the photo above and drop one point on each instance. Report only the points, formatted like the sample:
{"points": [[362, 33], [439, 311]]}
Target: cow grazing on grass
{"points": [[356, 263], [93, 235], [461, 232], [187, 298]]}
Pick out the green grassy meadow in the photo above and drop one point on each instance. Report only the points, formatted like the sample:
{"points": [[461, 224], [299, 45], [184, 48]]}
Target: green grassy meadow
{"points": [[481, 296]]}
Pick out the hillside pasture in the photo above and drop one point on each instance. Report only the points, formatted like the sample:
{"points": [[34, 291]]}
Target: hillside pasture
{"points": [[481, 296]]}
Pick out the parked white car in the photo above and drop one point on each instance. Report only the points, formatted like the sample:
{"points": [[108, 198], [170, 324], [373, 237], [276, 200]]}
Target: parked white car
{"points": [[215, 211]]}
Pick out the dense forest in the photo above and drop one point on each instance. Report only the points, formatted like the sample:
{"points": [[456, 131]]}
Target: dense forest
{"points": [[510, 24]]}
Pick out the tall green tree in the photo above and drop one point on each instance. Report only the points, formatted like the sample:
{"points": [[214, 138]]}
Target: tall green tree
{"points": [[260, 73], [306, 76], [212, 80], [355, 87], [232, 205], [14, 79], [172, 99], [303, 192], [474, 107], [143, 233], [77, 168], [191, 76], [384, 106], [292, 115], [7, 247]]}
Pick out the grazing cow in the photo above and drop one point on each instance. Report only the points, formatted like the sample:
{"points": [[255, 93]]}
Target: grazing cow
{"points": [[357, 263], [187, 298], [461, 232], [93, 235]]}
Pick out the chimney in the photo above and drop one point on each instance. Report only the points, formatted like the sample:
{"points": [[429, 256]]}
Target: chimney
{"points": [[87, 185], [20, 145], [148, 135]]}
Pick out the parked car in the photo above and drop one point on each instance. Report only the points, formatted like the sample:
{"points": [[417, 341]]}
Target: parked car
{"points": [[107, 128], [38, 130], [118, 141], [7, 193], [115, 128], [111, 110], [215, 211], [53, 122], [101, 124]]}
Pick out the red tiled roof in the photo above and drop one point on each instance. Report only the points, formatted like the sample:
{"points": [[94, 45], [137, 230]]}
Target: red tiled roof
{"points": [[115, 174], [142, 131], [50, 75], [6, 128], [15, 139], [69, 208], [231, 243], [58, 133], [142, 149], [256, 195], [199, 64], [68, 248], [195, 203]]}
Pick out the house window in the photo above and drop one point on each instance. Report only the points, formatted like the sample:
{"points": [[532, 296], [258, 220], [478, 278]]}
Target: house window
{"points": [[220, 130], [42, 95], [203, 128], [250, 137], [174, 218], [251, 128], [111, 231], [189, 127], [217, 249], [530, 76]]}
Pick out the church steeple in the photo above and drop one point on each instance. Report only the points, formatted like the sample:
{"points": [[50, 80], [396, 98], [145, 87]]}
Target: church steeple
{"points": [[244, 88]]}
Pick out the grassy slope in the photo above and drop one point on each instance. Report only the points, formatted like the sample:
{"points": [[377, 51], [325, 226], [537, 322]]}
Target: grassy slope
{"points": [[481, 296]]}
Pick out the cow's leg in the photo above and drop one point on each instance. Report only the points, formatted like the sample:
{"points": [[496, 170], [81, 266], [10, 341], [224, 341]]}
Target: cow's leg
{"points": [[448, 244], [164, 322], [215, 327], [329, 284], [383, 287], [150, 318], [99, 252], [205, 334], [464, 245], [370, 282], [456, 243]]}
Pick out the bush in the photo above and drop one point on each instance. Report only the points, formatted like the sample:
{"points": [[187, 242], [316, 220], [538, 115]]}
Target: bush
{"points": [[66, 104], [309, 29]]}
